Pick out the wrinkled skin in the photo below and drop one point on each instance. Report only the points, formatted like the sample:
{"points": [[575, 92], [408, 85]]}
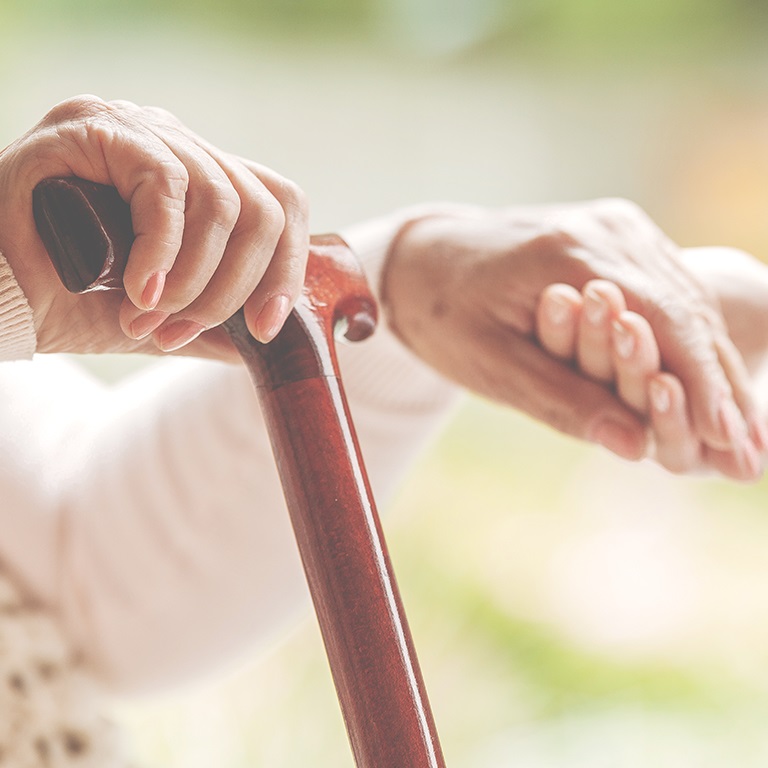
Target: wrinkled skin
{"points": [[214, 232], [461, 290]]}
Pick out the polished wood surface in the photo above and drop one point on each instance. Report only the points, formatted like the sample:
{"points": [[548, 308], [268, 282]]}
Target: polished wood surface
{"points": [[334, 517]]}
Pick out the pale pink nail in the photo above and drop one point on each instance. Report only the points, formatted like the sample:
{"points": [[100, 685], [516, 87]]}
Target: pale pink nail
{"points": [[660, 397], [175, 335], [732, 422], [144, 324], [624, 340], [595, 308], [271, 318], [153, 290], [735, 428], [759, 434], [558, 309], [752, 461]]}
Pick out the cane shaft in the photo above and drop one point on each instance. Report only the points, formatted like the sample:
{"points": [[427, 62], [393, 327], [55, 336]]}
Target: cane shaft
{"points": [[329, 499]]}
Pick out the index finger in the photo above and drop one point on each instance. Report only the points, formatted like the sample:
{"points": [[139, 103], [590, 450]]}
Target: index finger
{"points": [[151, 179], [107, 143], [157, 201]]}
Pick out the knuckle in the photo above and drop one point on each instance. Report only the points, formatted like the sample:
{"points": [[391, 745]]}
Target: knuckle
{"points": [[619, 215], [559, 254], [102, 121], [122, 105], [222, 205], [294, 199], [694, 325], [100, 129], [666, 310], [272, 221], [74, 108], [552, 242], [162, 115], [164, 189], [173, 181]]}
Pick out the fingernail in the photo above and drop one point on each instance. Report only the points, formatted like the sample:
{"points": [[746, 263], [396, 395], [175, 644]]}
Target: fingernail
{"points": [[624, 340], [177, 334], [732, 422], [558, 309], [595, 308], [660, 397], [736, 433], [271, 318], [752, 461], [620, 438], [153, 290], [144, 324], [758, 431]]}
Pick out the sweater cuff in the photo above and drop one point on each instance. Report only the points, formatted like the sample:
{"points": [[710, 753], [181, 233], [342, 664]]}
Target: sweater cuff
{"points": [[17, 327], [382, 372], [372, 240]]}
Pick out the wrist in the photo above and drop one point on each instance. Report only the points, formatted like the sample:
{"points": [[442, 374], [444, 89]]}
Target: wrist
{"points": [[420, 265], [739, 284], [24, 257]]}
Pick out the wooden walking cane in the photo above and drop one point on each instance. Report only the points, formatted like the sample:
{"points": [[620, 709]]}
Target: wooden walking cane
{"points": [[87, 231]]}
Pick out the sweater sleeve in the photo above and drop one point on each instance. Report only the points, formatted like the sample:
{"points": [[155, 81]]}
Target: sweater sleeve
{"points": [[150, 516], [17, 330]]}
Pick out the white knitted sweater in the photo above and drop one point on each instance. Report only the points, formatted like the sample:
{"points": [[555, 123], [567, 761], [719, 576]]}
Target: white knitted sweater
{"points": [[142, 527]]}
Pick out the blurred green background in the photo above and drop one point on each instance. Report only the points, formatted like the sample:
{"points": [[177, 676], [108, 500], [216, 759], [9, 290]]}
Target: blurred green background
{"points": [[569, 610]]}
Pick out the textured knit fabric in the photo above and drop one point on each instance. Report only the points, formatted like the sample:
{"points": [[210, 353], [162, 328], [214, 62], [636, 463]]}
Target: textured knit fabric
{"points": [[17, 330]]}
